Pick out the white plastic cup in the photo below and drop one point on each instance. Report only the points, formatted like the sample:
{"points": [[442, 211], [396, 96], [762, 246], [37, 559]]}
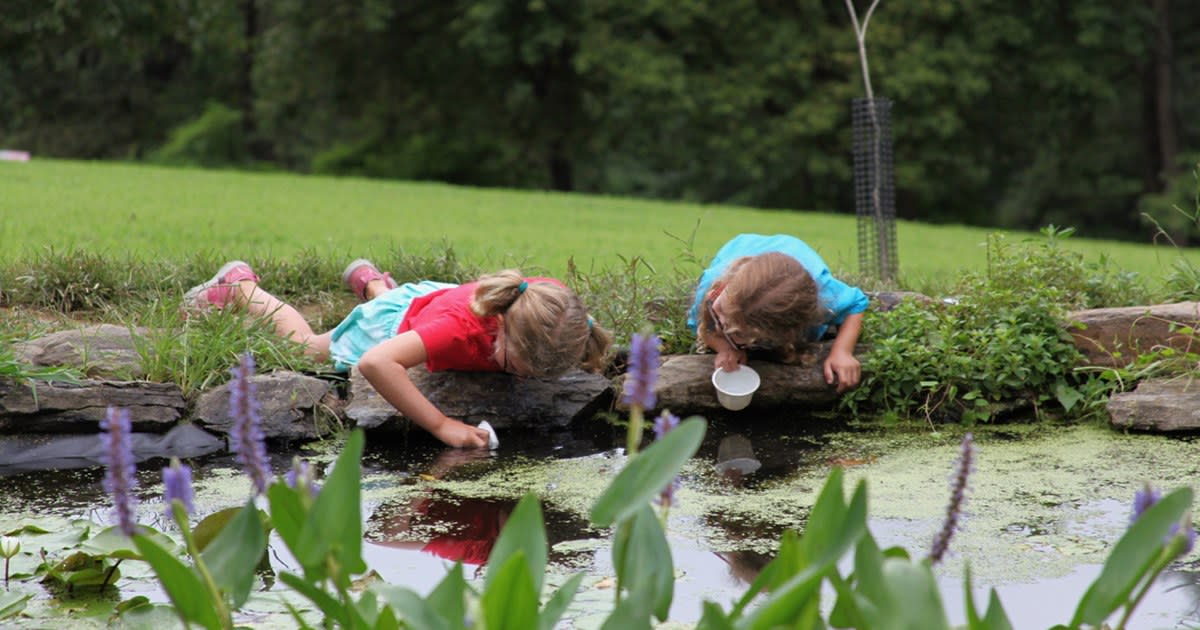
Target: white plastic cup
{"points": [[736, 388]]}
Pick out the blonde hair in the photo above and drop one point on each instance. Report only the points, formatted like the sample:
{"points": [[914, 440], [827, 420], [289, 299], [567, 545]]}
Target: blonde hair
{"points": [[771, 300], [546, 324]]}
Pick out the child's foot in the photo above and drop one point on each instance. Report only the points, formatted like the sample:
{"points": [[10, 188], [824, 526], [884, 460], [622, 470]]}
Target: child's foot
{"points": [[221, 290], [363, 272]]}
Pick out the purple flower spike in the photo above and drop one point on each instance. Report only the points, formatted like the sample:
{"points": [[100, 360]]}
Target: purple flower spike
{"points": [[120, 478], [667, 497], [958, 491], [301, 475], [177, 485], [664, 423], [246, 436], [643, 371], [1143, 500]]}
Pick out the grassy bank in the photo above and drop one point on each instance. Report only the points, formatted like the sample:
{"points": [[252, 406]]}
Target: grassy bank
{"points": [[161, 213]]}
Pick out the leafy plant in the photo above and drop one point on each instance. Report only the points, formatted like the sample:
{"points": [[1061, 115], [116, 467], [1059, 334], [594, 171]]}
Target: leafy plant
{"points": [[1002, 341]]}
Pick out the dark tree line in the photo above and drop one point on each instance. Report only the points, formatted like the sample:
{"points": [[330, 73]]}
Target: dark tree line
{"points": [[1006, 112]]}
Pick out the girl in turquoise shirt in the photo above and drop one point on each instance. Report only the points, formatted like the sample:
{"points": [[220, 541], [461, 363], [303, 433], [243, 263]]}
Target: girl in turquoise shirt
{"points": [[776, 293]]}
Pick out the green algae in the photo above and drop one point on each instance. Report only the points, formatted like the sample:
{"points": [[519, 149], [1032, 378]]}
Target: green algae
{"points": [[1043, 500]]}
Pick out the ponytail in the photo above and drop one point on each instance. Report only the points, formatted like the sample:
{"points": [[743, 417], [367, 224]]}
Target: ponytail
{"points": [[545, 323]]}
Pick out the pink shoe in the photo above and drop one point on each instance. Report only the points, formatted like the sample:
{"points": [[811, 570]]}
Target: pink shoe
{"points": [[360, 273], [221, 289]]}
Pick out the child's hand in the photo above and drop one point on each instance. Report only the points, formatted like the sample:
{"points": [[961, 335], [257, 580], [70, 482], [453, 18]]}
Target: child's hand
{"points": [[729, 359], [845, 368], [462, 435]]}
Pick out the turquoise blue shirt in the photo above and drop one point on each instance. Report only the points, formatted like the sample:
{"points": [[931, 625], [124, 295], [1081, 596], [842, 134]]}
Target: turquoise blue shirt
{"points": [[838, 299]]}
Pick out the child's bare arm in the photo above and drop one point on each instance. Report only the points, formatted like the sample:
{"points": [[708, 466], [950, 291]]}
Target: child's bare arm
{"points": [[841, 362], [728, 358], [386, 367]]}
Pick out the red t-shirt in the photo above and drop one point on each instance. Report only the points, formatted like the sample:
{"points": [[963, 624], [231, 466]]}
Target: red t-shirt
{"points": [[455, 337]]}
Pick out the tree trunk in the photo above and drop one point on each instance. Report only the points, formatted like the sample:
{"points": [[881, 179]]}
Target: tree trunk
{"points": [[1162, 134]]}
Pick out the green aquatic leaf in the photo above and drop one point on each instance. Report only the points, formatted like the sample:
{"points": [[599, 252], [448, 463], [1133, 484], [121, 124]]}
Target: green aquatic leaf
{"points": [[524, 531], [648, 472]]}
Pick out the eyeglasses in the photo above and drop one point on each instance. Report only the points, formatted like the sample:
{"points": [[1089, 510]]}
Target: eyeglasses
{"points": [[719, 325]]}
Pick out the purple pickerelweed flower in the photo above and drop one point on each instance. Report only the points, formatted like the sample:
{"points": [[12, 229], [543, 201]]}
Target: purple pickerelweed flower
{"points": [[1144, 499], [663, 424], [302, 474], [958, 491], [643, 371], [120, 478], [246, 436], [177, 485]]}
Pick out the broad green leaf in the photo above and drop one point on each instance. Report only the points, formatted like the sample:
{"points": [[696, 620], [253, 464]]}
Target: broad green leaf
{"points": [[449, 596], [12, 603], [1132, 558], [333, 609], [787, 563], [509, 601], [417, 613], [524, 531], [335, 524], [186, 590], [643, 561], [287, 514], [112, 542], [207, 529], [913, 597], [554, 609], [996, 618], [233, 555], [647, 473], [713, 618], [632, 613]]}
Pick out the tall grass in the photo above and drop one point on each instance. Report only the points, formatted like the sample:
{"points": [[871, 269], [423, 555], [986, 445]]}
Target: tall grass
{"points": [[157, 213]]}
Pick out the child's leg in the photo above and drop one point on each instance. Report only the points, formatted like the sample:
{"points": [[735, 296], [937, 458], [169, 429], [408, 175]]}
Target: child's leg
{"points": [[288, 321]]}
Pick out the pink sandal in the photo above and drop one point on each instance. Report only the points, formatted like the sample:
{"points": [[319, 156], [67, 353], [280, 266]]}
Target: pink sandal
{"points": [[221, 289], [362, 272]]}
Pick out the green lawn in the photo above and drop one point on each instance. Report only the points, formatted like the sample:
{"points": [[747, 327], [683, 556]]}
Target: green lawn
{"points": [[160, 212]]}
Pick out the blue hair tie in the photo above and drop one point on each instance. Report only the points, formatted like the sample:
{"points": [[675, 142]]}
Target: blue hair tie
{"points": [[591, 322], [521, 287]]}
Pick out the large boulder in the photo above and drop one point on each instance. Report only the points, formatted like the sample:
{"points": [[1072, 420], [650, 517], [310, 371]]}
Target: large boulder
{"points": [[1158, 405], [65, 407], [291, 406], [102, 351], [1113, 337], [503, 400]]}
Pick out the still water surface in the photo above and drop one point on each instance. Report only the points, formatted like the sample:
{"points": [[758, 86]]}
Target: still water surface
{"points": [[1045, 506]]}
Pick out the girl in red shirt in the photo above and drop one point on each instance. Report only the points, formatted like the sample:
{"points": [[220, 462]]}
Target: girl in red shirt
{"points": [[504, 321]]}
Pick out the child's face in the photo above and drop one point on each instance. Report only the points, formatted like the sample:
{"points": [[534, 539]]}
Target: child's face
{"points": [[510, 361], [735, 338]]}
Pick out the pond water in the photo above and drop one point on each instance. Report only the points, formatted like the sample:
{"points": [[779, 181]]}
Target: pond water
{"points": [[1044, 507]]}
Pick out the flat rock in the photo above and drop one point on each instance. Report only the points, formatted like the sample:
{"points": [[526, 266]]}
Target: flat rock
{"points": [[21, 453], [291, 405], [1163, 406], [1113, 337], [65, 407], [102, 351], [503, 400]]}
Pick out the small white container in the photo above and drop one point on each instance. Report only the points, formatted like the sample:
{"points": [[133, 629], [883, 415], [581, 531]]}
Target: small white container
{"points": [[736, 388]]}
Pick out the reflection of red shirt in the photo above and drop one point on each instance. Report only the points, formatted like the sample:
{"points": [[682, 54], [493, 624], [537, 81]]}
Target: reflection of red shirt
{"points": [[479, 526], [455, 338]]}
